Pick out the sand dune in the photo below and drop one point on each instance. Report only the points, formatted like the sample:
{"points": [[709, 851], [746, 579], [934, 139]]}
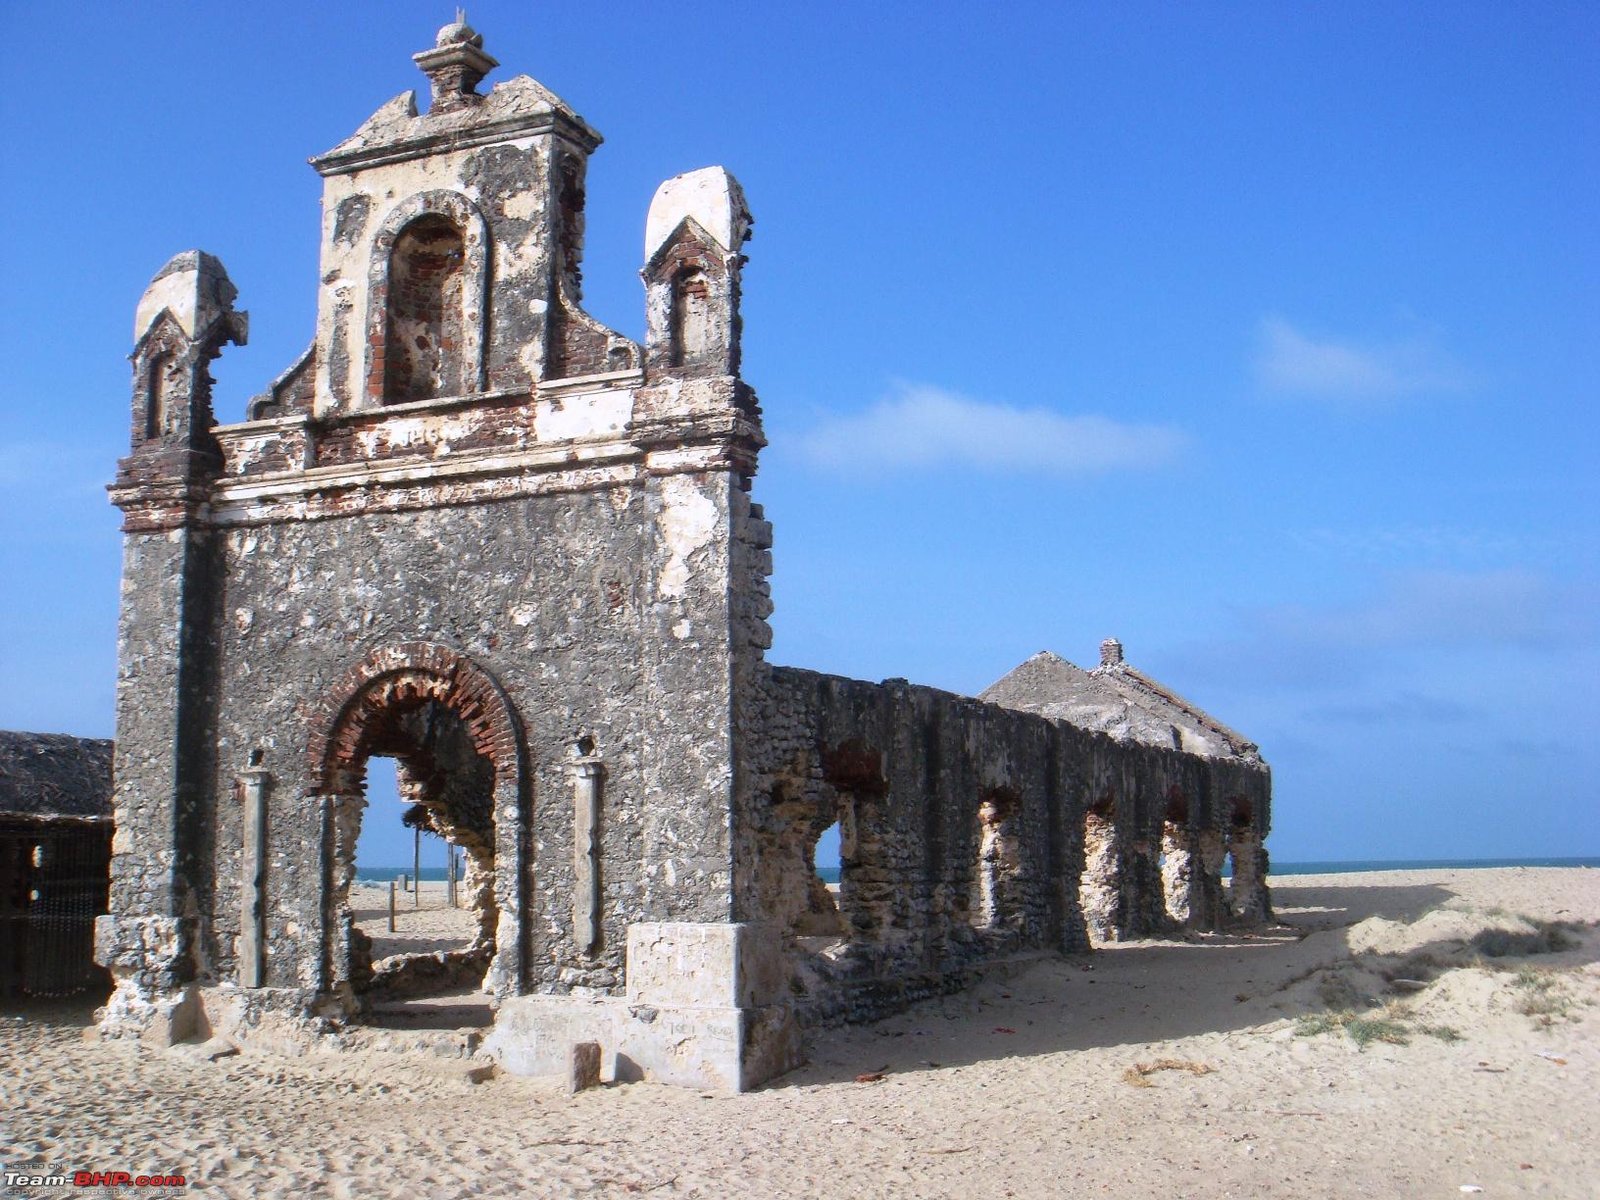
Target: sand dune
{"points": [[1027, 1086]]}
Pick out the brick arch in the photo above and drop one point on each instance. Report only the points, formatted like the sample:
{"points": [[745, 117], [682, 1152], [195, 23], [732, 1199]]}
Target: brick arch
{"points": [[344, 722]]}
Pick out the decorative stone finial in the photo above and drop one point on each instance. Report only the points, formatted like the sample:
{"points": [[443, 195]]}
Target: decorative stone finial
{"points": [[455, 65], [457, 32], [1110, 652]]}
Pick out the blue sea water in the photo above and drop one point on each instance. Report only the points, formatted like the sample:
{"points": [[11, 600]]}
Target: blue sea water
{"points": [[1422, 864], [366, 874], [831, 874], [1349, 866]]}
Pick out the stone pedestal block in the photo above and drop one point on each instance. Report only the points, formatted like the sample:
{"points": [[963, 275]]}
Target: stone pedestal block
{"points": [[699, 1012]]}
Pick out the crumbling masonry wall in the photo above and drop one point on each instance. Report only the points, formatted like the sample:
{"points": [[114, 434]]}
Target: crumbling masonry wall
{"points": [[466, 530], [474, 530], [967, 830]]}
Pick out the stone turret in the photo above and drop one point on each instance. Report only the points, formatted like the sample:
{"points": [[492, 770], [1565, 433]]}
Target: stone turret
{"points": [[697, 224], [184, 319]]}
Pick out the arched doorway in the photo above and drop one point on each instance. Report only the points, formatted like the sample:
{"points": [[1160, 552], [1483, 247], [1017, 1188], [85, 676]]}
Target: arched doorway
{"points": [[461, 772]]}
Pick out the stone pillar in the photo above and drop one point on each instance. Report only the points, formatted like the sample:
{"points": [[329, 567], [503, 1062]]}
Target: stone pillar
{"points": [[1178, 872], [157, 937], [1143, 905], [1100, 893], [252, 890], [586, 778], [1250, 899], [1209, 908]]}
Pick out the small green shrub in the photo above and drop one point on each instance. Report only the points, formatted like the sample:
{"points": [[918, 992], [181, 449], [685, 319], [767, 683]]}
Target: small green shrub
{"points": [[1366, 1030], [1318, 1024]]}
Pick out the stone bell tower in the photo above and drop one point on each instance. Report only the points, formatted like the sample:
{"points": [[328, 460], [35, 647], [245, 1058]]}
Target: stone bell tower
{"points": [[473, 530]]}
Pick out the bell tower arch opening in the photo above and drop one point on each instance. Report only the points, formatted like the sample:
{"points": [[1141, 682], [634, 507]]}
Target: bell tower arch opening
{"points": [[427, 294], [423, 336]]}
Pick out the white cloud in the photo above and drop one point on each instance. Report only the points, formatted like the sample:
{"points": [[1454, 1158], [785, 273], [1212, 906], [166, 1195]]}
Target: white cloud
{"points": [[922, 426], [1291, 362]]}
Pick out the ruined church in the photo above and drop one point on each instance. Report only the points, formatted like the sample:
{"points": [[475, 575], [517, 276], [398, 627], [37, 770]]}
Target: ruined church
{"points": [[473, 530]]}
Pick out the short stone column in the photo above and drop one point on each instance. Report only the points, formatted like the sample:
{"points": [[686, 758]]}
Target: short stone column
{"points": [[587, 774], [253, 785]]}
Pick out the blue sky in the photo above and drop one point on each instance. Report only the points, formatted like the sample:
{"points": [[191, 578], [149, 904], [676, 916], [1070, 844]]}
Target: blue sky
{"points": [[1265, 338]]}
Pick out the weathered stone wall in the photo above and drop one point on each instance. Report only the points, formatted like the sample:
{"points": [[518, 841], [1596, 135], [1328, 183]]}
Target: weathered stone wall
{"points": [[603, 615], [474, 530], [964, 835]]}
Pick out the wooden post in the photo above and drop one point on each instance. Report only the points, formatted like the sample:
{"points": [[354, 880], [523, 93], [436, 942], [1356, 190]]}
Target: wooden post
{"points": [[416, 869], [391, 906], [449, 875]]}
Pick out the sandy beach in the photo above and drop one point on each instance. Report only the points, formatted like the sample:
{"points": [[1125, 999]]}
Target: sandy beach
{"points": [[1385, 1041]]}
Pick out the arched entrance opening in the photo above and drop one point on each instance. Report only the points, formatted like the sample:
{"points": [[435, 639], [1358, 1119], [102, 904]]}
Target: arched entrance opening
{"points": [[428, 785], [459, 775], [446, 789]]}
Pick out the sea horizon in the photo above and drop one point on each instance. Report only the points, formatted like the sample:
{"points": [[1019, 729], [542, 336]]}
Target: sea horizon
{"points": [[1310, 867]]}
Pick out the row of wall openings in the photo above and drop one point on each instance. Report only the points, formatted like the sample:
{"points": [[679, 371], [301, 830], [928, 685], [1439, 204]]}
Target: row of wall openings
{"points": [[840, 865]]}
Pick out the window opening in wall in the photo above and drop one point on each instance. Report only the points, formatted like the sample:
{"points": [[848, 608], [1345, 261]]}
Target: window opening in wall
{"points": [[155, 421], [821, 919], [868, 895], [1100, 887], [997, 899], [1177, 856], [423, 341]]}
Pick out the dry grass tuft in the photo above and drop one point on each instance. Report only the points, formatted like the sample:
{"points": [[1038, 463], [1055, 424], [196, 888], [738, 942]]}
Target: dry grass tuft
{"points": [[1138, 1074], [1547, 997], [1546, 937]]}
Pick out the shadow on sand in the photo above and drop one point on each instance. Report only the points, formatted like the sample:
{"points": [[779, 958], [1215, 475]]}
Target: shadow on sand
{"points": [[1139, 994]]}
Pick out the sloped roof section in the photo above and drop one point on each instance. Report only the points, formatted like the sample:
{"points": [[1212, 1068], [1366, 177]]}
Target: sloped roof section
{"points": [[54, 776], [520, 105], [1115, 698]]}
